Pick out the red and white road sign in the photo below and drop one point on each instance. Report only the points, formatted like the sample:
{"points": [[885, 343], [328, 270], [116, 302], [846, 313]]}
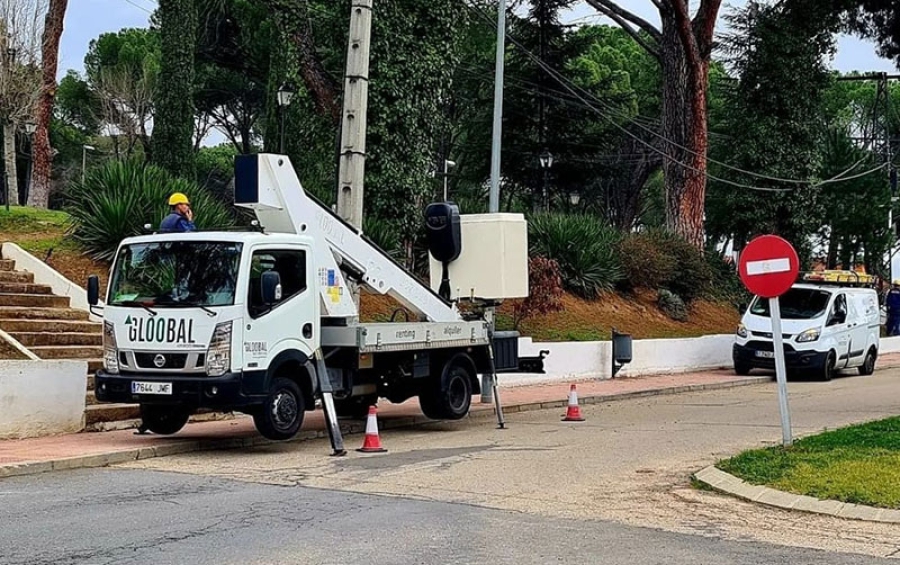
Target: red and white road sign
{"points": [[769, 266]]}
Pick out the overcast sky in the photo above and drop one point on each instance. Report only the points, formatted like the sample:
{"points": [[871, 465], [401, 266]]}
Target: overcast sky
{"points": [[87, 19]]}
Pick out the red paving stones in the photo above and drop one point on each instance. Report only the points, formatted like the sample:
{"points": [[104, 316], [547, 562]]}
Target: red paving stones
{"points": [[102, 448]]}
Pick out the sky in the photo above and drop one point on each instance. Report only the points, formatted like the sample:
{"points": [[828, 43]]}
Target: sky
{"points": [[87, 19]]}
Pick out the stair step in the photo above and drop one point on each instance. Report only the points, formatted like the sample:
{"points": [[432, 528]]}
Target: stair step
{"points": [[29, 313], [29, 339], [60, 326], [34, 300], [24, 288], [94, 365], [16, 276], [7, 265], [90, 381], [79, 352], [98, 413]]}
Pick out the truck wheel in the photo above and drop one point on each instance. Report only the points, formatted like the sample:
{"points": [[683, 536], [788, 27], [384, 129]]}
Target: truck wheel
{"points": [[449, 397], [163, 420], [355, 407], [868, 366], [827, 371], [281, 415]]}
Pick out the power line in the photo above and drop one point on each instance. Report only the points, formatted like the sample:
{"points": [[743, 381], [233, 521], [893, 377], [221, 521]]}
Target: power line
{"points": [[138, 6], [565, 83]]}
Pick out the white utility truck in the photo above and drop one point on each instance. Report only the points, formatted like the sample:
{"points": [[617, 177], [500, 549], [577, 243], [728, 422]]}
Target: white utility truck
{"points": [[266, 321], [830, 322]]}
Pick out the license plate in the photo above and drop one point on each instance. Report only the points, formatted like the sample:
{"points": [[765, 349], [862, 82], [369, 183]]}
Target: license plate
{"points": [[766, 354], [138, 387]]}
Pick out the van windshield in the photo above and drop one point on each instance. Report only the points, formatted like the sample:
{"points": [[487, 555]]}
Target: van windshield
{"points": [[796, 304]]}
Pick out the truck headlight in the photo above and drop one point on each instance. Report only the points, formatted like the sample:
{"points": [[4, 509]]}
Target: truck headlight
{"points": [[218, 356], [808, 335], [110, 348], [742, 330]]}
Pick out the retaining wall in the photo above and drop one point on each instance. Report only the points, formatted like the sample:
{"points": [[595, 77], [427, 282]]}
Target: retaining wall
{"points": [[40, 398]]}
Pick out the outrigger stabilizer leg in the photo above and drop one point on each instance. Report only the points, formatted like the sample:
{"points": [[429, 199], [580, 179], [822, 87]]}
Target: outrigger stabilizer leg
{"points": [[501, 422], [331, 421]]}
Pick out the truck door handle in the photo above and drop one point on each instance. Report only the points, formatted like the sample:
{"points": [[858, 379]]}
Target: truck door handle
{"points": [[307, 331]]}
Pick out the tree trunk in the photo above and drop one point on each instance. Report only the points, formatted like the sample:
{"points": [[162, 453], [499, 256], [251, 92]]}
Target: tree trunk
{"points": [[684, 126], [42, 153], [9, 156]]}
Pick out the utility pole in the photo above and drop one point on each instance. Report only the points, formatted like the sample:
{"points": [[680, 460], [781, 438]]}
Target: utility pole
{"points": [[352, 166], [498, 110]]}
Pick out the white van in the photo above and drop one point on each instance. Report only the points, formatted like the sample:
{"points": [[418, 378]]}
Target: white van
{"points": [[826, 328]]}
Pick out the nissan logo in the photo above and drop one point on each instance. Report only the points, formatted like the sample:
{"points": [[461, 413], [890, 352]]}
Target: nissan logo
{"points": [[159, 361]]}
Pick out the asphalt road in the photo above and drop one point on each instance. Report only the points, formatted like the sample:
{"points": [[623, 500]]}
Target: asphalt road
{"points": [[126, 517]]}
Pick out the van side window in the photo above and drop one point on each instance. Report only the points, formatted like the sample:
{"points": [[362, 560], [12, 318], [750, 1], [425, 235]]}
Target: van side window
{"points": [[838, 311], [290, 266]]}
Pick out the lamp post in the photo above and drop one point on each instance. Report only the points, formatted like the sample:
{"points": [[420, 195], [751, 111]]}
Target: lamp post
{"points": [[546, 159], [84, 150], [285, 95], [447, 165], [30, 128]]}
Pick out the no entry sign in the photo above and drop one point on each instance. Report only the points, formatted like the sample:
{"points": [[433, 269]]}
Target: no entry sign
{"points": [[769, 266]]}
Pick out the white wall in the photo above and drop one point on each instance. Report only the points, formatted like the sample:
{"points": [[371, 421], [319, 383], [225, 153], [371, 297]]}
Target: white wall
{"points": [[41, 398], [570, 361], [44, 274], [889, 345]]}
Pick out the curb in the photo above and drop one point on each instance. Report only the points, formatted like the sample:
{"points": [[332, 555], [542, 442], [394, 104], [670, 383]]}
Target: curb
{"points": [[347, 428], [723, 482]]}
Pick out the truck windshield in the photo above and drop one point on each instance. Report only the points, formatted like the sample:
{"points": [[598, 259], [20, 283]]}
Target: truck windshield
{"points": [[796, 304], [176, 274]]}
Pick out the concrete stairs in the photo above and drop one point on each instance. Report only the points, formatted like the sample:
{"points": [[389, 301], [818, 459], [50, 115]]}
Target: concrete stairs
{"points": [[46, 325]]}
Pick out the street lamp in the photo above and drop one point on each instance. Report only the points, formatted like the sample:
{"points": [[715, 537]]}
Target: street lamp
{"points": [[30, 128], [546, 159], [84, 150], [447, 165], [285, 95]]}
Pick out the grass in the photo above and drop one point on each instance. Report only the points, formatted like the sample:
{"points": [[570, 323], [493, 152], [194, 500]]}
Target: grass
{"points": [[20, 219], [858, 464]]}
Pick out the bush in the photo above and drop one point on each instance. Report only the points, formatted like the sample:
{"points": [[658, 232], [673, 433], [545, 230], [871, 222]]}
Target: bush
{"points": [[691, 276], [585, 249], [727, 285], [545, 291], [646, 264], [117, 199], [385, 235], [673, 306]]}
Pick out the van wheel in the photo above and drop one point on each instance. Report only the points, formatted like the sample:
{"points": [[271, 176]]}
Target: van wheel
{"points": [[868, 366], [163, 420], [450, 396], [742, 369], [281, 415], [828, 368]]}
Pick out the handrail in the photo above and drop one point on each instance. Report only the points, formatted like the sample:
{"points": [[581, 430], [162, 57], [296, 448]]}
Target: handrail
{"points": [[18, 346]]}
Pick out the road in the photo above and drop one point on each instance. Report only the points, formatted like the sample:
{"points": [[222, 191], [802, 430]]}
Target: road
{"points": [[613, 489]]}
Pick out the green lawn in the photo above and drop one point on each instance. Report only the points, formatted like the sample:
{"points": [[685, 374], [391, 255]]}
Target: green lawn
{"points": [[23, 220], [858, 464]]}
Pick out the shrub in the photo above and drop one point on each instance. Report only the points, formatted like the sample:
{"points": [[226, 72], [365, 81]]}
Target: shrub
{"points": [[385, 235], [726, 283], [691, 276], [645, 263], [585, 249], [673, 306], [117, 199], [545, 291]]}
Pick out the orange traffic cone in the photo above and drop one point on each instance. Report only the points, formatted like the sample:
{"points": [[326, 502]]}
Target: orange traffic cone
{"points": [[372, 443], [573, 413]]}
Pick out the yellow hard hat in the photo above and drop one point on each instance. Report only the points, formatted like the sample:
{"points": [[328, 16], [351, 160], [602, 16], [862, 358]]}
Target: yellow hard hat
{"points": [[897, 283], [178, 198]]}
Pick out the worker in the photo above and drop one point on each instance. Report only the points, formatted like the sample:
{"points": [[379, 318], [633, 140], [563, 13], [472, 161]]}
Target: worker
{"points": [[181, 219], [892, 302]]}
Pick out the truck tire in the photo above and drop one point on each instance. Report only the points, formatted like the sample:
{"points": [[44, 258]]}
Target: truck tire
{"points": [[868, 366], [450, 396], [355, 407], [163, 420], [281, 415]]}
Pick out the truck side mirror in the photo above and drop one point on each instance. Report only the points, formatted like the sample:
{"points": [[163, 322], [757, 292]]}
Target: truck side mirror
{"points": [[271, 287], [93, 290]]}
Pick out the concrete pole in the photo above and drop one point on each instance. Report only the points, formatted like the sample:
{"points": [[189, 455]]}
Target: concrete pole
{"points": [[352, 164], [498, 108]]}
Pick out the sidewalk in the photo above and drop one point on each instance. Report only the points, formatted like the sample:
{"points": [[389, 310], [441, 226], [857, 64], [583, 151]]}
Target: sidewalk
{"points": [[97, 449]]}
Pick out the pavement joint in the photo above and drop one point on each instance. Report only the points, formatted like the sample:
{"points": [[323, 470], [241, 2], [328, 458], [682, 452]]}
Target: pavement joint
{"points": [[727, 483]]}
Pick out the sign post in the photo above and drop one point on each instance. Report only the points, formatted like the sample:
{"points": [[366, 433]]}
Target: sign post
{"points": [[768, 267]]}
